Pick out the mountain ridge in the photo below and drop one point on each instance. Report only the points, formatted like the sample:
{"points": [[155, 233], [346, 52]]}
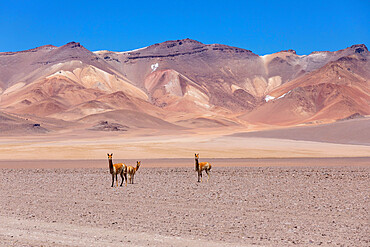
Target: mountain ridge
{"points": [[186, 81]]}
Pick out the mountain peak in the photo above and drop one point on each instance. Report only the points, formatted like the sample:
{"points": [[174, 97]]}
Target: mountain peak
{"points": [[289, 51], [359, 48], [187, 40], [179, 42], [72, 45]]}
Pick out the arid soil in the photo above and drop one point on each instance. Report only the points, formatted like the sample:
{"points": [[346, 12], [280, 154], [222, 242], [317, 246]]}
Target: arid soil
{"points": [[240, 206], [355, 131], [81, 146]]}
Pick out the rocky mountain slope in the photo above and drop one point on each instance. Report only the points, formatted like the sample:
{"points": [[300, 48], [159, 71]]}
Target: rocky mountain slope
{"points": [[185, 83]]}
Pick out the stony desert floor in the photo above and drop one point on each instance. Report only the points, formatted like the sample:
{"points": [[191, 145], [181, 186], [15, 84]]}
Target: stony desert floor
{"points": [[240, 206], [282, 191]]}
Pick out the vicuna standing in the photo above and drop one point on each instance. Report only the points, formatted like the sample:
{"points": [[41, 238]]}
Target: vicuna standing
{"points": [[132, 170], [202, 166], [116, 169]]}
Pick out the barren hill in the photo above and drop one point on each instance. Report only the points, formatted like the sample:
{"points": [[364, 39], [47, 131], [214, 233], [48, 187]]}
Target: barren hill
{"points": [[185, 83], [335, 91]]}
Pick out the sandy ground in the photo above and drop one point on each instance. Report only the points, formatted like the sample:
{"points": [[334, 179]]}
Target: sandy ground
{"points": [[62, 147], [55, 191], [356, 131], [239, 206], [189, 162]]}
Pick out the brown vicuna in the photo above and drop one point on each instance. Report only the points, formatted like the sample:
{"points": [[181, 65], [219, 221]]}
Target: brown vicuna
{"points": [[131, 172], [202, 166], [116, 169]]}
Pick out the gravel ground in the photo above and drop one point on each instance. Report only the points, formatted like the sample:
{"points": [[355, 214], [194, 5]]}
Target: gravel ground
{"points": [[276, 206]]}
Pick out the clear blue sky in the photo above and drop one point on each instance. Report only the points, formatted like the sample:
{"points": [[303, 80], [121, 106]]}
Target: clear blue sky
{"points": [[261, 26]]}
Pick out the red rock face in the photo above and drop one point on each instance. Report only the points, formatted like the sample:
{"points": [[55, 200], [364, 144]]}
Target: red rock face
{"points": [[187, 83], [335, 91]]}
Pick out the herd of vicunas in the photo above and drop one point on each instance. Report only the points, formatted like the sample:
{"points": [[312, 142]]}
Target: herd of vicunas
{"points": [[124, 170]]}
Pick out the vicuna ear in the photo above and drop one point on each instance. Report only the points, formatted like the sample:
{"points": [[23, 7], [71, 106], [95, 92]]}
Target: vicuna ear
{"points": [[111, 154]]}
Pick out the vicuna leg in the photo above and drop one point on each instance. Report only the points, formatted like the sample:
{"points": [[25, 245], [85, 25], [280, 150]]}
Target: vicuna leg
{"points": [[125, 174], [112, 180], [117, 179], [121, 178], [209, 175], [199, 176]]}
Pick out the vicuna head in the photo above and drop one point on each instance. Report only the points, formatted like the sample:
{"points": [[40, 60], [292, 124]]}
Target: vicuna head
{"points": [[110, 162], [196, 162], [138, 163]]}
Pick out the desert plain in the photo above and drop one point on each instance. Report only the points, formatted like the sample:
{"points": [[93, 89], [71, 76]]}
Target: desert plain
{"points": [[55, 190]]}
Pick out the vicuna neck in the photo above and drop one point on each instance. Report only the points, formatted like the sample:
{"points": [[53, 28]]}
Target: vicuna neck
{"points": [[110, 165], [196, 164]]}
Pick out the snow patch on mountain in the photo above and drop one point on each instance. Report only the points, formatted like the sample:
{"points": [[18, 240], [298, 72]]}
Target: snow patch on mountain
{"points": [[154, 67]]}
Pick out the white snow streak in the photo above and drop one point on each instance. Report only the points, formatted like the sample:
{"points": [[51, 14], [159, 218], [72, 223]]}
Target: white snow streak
{"points": [[154, 67], [268, 98]]}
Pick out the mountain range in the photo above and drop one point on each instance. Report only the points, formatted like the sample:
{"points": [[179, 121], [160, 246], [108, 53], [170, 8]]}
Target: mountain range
{"points": [[181, 84]]}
